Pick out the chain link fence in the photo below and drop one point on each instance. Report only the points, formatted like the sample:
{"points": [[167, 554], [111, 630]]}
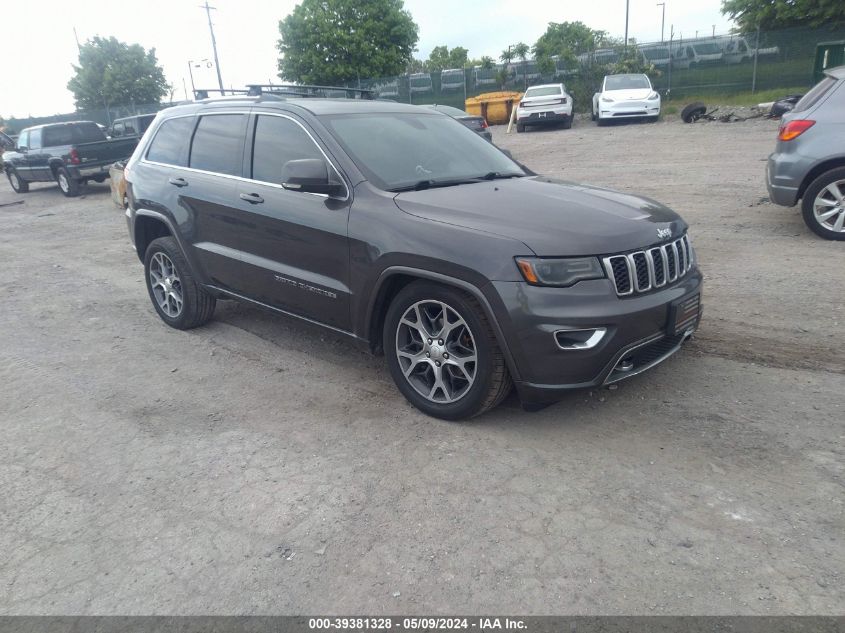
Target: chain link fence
{"points": [[679, 67], [719, 64]]}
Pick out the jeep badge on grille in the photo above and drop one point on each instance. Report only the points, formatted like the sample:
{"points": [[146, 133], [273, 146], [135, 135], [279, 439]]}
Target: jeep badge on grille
{"points": [[664, 233]]}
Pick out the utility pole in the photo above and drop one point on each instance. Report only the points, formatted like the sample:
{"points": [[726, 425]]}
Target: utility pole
{"points": [[627, 6], [662, 20], [213, 43], [714, 30]]}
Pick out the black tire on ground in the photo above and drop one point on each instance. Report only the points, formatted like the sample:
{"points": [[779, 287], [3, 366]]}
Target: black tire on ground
{"points": [[18, 184], [600, 121], [593, 116], [492, 382], [68, 185], [568, 123], [807, 203], [99, 178], [693, 111], [520, 128], [197, 305]]}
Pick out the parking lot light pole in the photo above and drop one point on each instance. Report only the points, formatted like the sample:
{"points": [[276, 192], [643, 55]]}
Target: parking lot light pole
{"points": [[662, 20], [627, 6]]}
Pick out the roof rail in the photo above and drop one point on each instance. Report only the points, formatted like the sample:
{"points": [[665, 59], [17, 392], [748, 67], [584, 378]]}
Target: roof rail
{"points": [[201, 94], [306, 90]]}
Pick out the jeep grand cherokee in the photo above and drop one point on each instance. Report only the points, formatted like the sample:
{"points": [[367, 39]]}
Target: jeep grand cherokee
{"points": [[404, 230]]}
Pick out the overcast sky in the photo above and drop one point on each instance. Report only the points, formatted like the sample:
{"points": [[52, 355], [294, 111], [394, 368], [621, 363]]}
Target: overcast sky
{"points": [[39, 57]]}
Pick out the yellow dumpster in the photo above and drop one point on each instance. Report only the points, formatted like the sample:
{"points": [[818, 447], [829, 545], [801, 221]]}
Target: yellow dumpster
{"points": [[494, 106]]}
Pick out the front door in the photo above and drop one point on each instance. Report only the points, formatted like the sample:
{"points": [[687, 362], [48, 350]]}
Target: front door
{"points": [[294, 244]]}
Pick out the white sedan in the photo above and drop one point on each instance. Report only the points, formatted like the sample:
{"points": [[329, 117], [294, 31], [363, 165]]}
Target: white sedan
{"points": [[624, 97], [544, 105]]}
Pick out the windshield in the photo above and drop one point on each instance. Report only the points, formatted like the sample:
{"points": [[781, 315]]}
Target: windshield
{"points": [[707, 49], [626, 82], [400, 150], [656, 53], [543, 91], [448, 110]]}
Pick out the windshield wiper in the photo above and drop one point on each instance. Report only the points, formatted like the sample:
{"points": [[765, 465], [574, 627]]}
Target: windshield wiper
{"points": [[431, 184]]}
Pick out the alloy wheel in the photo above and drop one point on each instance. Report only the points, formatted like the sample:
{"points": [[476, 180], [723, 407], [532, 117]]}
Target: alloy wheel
{"points": [[437, 352], [16, 183], [829, 207], [63, 183], [166, 285]]}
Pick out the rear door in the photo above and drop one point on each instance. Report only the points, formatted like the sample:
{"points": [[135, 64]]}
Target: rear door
{"points": [[38, 158], [294, 245], [207, 193]]}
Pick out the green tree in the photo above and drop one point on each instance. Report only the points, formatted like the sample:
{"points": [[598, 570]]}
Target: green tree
{"points": [[337, 41], [568, 38], [486, 62], [442, 58], [111, 72], [776, 14]]}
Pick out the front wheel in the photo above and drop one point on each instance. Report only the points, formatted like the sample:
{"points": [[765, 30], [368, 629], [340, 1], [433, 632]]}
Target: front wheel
{"points": [[442, 352], [823, 205], [520, 128], [18, 185], [69, 185], [177, 298]]}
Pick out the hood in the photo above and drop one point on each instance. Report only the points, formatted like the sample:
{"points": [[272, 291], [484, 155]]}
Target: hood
{"points": [[551, 217], [625, 95]]}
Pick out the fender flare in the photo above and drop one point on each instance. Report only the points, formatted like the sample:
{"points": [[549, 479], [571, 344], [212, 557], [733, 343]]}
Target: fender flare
{"points": [[472, 289]]}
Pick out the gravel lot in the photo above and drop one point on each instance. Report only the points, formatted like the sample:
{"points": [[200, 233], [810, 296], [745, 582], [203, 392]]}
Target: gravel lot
{"points": [[259, 465]]}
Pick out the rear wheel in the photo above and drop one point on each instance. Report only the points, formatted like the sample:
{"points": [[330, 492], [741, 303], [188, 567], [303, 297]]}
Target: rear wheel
{"points": [[18, 185], [567, 124], [520, 128], [69, 185], [823, 205], [442, 352], [179, 300]]}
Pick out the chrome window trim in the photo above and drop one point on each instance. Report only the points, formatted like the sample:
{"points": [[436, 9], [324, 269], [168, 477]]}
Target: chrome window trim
{"points": [[144, 158]]}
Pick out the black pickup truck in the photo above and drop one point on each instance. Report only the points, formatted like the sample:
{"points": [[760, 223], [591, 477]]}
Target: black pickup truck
{"points": [[69, 153]]}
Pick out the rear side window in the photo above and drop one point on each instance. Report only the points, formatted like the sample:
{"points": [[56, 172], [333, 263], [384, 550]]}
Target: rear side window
{"points": [[171, 141], [816, 93], [72, 134], [218, 144], [278, 140]]}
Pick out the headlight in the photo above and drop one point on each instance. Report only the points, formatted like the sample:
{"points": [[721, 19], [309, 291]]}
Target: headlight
{"points": [[559, 272], [607, 99], [653, 96]]}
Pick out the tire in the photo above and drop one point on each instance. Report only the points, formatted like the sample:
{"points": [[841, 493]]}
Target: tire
{"points": [[593, 115], [520, 128], [567, 125], [69, 186], [456, 398], [197, 306], [821, 195], [693, 112], [600, 121], [99, 178], [18, 184]]}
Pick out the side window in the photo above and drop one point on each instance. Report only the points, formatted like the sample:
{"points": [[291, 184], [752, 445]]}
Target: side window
{"points": [[35, 139], [218, 144], [23, 139], [171, 141], [117, 130], [278, 140], [129, 128]]}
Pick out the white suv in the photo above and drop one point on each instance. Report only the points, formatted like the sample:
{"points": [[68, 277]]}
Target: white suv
{"points": [[544, 105], [624, 97]]}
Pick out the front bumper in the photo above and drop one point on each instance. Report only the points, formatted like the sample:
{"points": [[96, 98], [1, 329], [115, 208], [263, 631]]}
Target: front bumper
{"points": [[628, 110], [638, 332]]}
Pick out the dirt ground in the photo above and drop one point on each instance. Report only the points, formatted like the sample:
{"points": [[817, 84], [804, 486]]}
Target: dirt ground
{"points": [[259, 465]]}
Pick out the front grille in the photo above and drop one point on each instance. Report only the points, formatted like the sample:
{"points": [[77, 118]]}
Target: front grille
{"points": [[646, 270], [651, 352]]}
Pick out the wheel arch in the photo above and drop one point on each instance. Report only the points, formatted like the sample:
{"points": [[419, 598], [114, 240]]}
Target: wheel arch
{"points": [[149, 226], [394, 278], [818, 170]]}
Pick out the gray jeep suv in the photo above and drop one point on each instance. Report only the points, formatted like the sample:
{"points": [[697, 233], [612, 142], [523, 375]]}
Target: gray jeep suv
{"points": [[407, 232], [808, 163]]}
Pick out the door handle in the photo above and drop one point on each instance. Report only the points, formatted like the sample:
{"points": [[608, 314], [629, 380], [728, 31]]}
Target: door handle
{"points": [[179, 182], [252, 198]]}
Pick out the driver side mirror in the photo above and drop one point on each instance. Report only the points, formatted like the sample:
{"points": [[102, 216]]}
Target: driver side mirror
{"points": [[309, 175]]}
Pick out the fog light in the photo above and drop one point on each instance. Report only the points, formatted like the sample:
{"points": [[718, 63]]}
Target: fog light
{"points": [[579, 339]]}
